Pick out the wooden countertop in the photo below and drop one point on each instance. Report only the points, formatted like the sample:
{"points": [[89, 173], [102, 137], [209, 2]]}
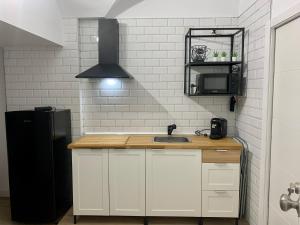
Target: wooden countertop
{"points": [[146, 141]]}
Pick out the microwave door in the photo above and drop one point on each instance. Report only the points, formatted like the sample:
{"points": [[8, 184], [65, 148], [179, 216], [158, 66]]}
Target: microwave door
{"points": [[215, 84]]}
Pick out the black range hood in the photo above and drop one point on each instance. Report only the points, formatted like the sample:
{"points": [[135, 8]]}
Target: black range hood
{"points": [[108, 50]]}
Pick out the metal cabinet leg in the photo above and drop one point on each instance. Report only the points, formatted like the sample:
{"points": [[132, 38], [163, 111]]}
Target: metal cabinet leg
{"points": [[75, 219], [236, 222], [200, 221], [146, 222]]}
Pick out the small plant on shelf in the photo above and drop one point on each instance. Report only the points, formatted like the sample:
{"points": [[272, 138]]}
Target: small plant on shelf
{"points": [[234, 57], [223, 56], [215, 56]]}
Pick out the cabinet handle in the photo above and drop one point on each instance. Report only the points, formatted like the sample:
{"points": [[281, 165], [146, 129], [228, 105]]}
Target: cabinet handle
{"points": [[221, 150], [220, 164], [220, 192]]}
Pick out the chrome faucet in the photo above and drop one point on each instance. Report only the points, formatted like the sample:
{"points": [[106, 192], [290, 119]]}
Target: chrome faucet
{"points": [[286, 203], [171, 128]]}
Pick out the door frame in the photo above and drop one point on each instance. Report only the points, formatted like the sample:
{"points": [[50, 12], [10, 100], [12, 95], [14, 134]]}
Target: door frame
{"points": [[267, 109]]}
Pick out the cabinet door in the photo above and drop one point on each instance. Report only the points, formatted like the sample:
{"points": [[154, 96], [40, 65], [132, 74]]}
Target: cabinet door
{"points": [[90, 182], [220, 176], [127, 182], [220, 204], [173, 182]]}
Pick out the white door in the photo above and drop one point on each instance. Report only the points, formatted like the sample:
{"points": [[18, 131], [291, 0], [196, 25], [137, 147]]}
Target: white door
{"points": [[285, 150], [127, 182], [173, 182], [90, 182]]}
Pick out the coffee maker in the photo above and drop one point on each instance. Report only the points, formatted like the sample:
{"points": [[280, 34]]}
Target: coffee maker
{"points": [[218, 128]]}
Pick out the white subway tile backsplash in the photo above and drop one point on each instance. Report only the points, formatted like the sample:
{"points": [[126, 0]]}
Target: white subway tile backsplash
{"points": [[225, 21], [152, 50], [114, 93], [168, 30], [159, 38], [194, 22], [160, 22], [175, 22], [151, 46], [16, 101], [175, 38], [144, 22], [167, 46], [152, 30], [208, 22]]}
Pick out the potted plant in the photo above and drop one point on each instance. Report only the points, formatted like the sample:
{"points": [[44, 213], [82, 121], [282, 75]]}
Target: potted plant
{"points": [[215, 56], [234, 57], [223, 56]]}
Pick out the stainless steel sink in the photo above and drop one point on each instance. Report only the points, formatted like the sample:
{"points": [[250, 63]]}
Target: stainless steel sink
{"points": [[171, 139]]}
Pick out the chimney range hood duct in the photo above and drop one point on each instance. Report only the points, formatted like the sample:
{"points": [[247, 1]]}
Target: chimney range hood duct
{"points": [[108, 50]]}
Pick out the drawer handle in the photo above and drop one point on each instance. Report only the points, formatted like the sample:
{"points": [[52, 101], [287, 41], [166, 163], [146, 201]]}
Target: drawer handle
{"points": [[220, 192], [220, 164], [221, 150]]}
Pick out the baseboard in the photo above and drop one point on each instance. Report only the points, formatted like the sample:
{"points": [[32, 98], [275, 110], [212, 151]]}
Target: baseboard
{"points": [[4, 193]]}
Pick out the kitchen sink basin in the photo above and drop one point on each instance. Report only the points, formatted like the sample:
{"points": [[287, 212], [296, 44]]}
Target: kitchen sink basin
{"points": [[171, 139]]}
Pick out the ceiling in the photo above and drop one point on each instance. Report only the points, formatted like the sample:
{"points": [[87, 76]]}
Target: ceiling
{"points": [[13, 36], [148, 8], [95, 8], [82, 8]]}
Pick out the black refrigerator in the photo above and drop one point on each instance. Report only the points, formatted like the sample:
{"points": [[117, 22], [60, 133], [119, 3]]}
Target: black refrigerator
{"points": [[40, 165]]}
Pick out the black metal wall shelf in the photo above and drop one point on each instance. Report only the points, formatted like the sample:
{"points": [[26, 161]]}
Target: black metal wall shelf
{"points": [[231, 35], [229, 63]]}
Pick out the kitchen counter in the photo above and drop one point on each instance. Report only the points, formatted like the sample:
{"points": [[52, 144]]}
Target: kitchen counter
{"points": [[146, 141]]}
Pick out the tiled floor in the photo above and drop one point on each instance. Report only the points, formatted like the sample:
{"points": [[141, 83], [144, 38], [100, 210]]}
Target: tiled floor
{"points": [[68, 219]]}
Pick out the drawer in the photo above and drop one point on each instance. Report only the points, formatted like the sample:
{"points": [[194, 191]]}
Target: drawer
{"points": [[220, 204], [221, 156], [220, 176]]}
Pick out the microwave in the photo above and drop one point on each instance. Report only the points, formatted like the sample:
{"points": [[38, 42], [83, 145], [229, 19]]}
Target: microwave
{"points": [[217, 83]]}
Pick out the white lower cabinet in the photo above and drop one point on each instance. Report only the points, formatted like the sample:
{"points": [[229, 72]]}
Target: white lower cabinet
{"points": [[90, 182], [127, 182], [173, 182], [220, 189], [220, 204], [157, 182]]}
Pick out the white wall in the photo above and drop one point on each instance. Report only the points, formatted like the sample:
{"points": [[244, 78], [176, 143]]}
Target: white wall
{"points": [[249, 115], [4, 190], [151, 8], [43, 76], [152, 51], [182, 8], [280, 6], [244, 5], [14, 36], [41, 18], [83, 8]]}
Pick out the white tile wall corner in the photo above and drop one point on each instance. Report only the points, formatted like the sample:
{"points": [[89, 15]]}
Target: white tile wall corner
{"points": [[152, 51], [249, 116], [41, 76]]}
